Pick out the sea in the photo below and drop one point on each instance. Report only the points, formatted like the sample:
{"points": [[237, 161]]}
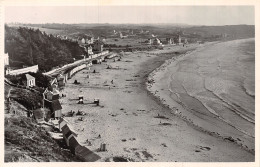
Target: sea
{"points": [[219, 82]]}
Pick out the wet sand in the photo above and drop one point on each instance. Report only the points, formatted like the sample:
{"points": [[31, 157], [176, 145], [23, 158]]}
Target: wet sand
{"points": [[207, 85], [127, 119]]}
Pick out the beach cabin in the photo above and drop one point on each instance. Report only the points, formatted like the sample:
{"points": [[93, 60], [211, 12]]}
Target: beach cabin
{"points": [[62, 122], [80, 99], [68, 133], [55, 108], [30, 80], [73, 143], [51, 95], [85, 154]]}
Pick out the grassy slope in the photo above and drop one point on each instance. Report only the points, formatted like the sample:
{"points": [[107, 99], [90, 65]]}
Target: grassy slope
{"points": [[25, 141]]}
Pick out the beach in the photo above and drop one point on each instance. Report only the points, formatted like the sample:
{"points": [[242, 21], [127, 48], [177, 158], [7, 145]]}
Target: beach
{"points": [[143, 124]]}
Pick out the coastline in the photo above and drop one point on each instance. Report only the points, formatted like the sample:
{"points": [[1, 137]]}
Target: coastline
{"points": [[127, 118], [161, 90]]}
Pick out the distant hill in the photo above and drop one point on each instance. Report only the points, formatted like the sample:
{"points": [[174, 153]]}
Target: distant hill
{"points": [[237, 31], [105, 29]]}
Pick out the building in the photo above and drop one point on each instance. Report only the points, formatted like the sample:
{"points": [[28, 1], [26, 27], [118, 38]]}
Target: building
{"points": [[89, 40], [185, 40], [98, 46], [89, 50], [157, 41], [169, 41], [51, 101], [82, 41], [68, 133], [33, 69], [177, 39], [30, 80], [6, 59], [61, 80], [149, 41]]}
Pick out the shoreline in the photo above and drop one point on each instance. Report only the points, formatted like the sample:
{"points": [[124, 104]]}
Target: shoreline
{"points": [[154, 91], [128, 122]]}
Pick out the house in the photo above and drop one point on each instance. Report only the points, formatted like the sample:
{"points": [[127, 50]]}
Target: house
{"points": [[89, 40], [169, 41], [177, 39], [6, 59], [148, 41], [89, 50], [81, 41], [98, 46], [30, 80], [56, 108], [61, 80], [52, 95], [156, 41], [51, 101]]}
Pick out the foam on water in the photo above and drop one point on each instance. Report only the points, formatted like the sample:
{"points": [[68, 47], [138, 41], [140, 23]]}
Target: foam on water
{"points": [[219, 80]]}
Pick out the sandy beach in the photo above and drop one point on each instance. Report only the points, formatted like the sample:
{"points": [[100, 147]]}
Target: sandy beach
{"points": [[141, 124]]}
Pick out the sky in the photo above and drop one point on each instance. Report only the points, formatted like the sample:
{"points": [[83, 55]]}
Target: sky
{"points": [[192, 15]]}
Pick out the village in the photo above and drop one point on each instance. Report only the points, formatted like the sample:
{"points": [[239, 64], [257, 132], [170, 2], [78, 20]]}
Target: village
{"points": [[50, 112], [115, 83]]}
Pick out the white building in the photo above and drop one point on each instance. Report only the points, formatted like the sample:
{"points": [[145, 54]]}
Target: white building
{"points": [[30, 80], [6, 59]]}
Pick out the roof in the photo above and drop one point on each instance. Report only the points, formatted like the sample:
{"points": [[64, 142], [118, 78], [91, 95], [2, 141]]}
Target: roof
{"points": [[85, 154], [73, 143], [62, 119], [56, 105], [67, 129], [99, 42], [29, 77]]}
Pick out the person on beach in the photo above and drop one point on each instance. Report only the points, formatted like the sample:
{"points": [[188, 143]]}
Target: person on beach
{"points": [[112, 81]]}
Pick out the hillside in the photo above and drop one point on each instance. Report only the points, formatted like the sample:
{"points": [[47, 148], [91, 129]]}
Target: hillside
{"points": [[25, 141], [29, 47]]}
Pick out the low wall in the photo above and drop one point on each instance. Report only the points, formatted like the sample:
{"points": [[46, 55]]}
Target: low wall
{"points": [[76, 69], [77, 62], [23, 70]]}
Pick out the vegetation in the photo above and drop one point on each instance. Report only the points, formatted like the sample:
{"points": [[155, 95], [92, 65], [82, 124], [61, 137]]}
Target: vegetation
{"points": [[27, 46], [29, 99], [42, 81], [26, 141]]}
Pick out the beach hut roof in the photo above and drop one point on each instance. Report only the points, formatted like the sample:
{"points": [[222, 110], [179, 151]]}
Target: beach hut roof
{"points": [[62, 119], [85, 154], [73, 143], [66, 128]]}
